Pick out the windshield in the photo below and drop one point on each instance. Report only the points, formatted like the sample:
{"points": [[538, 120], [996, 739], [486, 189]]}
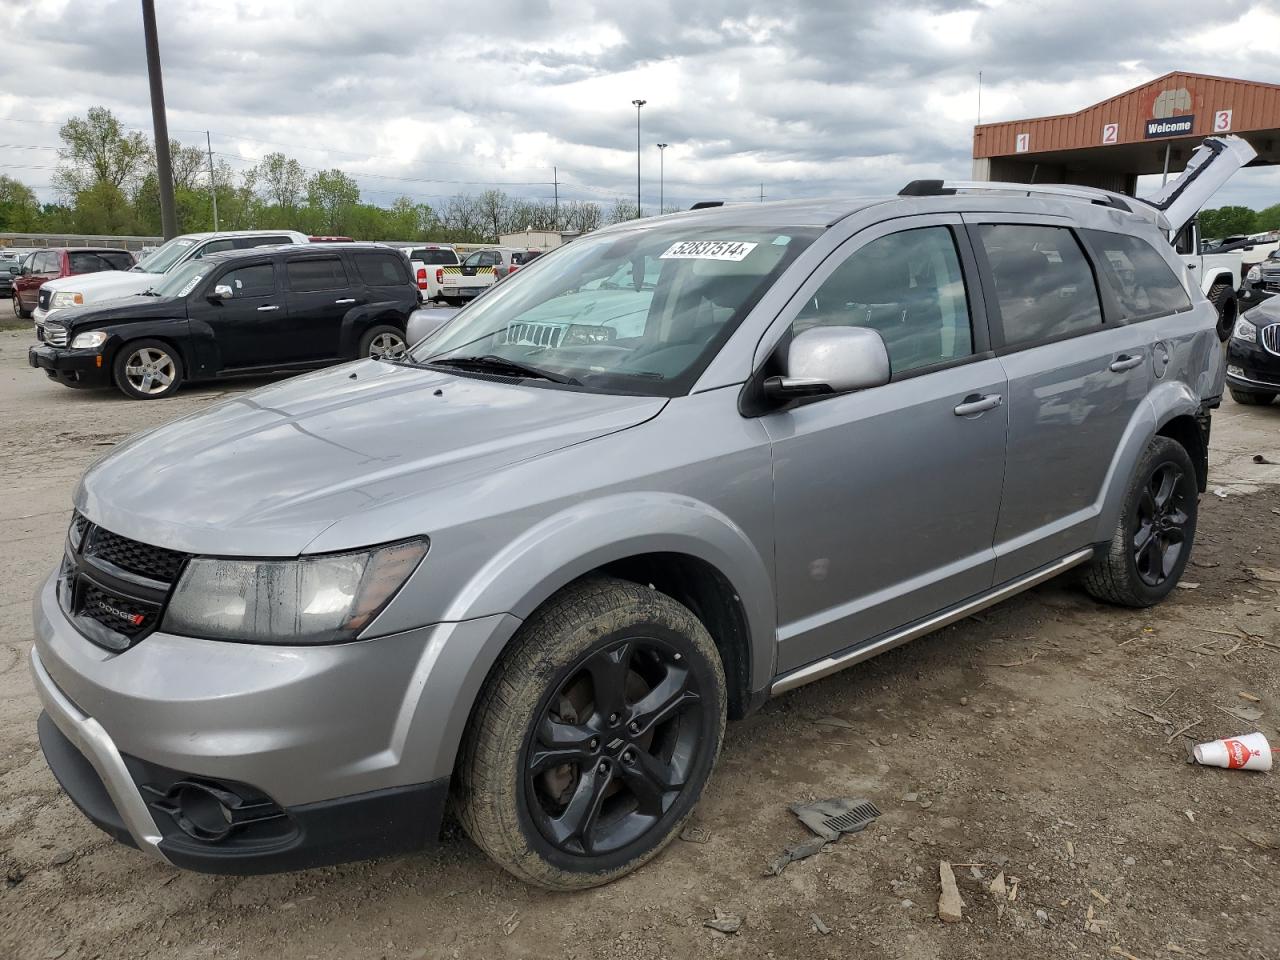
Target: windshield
{"points": [[164, 258], [180, 282], [637, 312]]}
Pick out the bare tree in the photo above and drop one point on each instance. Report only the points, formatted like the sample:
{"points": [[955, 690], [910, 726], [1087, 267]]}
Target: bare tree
{"points": [[494, 208], [282, 179]]}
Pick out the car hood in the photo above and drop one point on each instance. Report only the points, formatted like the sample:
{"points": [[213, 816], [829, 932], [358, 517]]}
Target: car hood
{"points": [[97, 287], [1268, 311], [133, 307], [265, 473]]}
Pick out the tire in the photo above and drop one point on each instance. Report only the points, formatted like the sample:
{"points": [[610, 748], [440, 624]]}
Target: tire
{"points": [[1154, 538], [383, 340], [453, 301], [1251, 398], [1223, 299], [522, 810], [19, 311], [135, 359]]}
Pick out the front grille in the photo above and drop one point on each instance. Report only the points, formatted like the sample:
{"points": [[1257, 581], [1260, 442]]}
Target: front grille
{"points": [[535, 334], [1271, 339], [112, 588], [54, 334], [155, 563]]}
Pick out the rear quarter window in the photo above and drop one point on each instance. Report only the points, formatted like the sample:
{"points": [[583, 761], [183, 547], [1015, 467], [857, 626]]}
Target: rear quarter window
{"points": [[381, 269], [1141, 280], [434, 258]]}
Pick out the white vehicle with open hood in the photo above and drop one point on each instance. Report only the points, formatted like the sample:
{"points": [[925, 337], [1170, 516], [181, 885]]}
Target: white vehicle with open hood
{"points": [[80, 291]]}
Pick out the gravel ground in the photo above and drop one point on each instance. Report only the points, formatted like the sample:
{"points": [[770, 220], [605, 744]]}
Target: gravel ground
{"points": [[1033, 740]]}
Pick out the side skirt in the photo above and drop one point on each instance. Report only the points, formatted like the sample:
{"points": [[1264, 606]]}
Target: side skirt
{"points": [[839, 661]]}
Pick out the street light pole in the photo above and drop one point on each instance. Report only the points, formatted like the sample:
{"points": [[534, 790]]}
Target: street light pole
{"points": [[164, 169], [638, 105], [662, 176]]}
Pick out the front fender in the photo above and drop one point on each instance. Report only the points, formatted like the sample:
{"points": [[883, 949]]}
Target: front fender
{"points": [[174, 330], [586, 536], [1165, 402]]}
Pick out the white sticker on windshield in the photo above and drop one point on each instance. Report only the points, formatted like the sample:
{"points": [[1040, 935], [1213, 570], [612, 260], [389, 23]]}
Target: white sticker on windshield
{"points": [[733, 250], [189, 286]]}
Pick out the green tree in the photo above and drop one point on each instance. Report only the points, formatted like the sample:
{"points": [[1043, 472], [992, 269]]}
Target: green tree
{"points": [[331, 196], [98, 150], [1268, 218], [19, 209], [282, 181], [104, 209], [1225, 221]]}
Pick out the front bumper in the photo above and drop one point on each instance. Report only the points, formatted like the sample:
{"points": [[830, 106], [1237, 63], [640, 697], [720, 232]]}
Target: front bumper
{"points": [[340, 748], [1258, 369], [75, 368]]}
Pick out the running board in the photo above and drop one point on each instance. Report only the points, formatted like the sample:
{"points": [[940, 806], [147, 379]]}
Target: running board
{"points": [[829, 665]]}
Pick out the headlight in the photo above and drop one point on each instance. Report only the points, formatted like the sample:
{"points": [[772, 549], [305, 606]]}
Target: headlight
{"points": [[1254, 274], [88, 341], [323, 599], [1245, 331], [65, 298]]}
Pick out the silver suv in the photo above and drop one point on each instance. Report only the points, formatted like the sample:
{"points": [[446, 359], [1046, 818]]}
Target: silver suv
{"points": [[533, 565]]}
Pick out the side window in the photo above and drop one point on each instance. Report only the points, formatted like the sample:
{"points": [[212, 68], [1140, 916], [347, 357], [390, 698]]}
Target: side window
{"points": [[1139, 277], [214, 246], [1044, 284], [1184, 242], [320, 274], [258, 280], [381, 269], [490, 258], [907, 286], [46, 262], [475, 260], [248, 243]]}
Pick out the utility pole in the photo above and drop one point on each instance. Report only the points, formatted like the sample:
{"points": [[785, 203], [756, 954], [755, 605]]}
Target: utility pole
{"points": [[662, 176], [762, 193], [555, 182], [164, 169], [213, 187], [979, 98], [638, 104]]}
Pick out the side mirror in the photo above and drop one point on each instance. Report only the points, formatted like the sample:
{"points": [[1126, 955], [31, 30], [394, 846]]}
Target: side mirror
{"points": [[15, 271], [222, 292], [826, 360]]}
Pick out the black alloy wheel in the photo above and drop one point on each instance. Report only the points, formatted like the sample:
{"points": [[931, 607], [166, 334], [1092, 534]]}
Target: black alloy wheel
{"points": [[1162, 519], [613, 747]]}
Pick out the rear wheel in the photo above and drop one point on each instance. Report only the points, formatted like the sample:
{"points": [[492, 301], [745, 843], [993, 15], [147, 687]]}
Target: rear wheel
{"points": [[382, 341], [1251, 398], [1152, 542], [593, 739], [147, 370], [1223, 299]]}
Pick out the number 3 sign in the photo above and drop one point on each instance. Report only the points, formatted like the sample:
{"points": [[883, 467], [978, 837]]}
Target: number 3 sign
{"points": [[1222, 121]]}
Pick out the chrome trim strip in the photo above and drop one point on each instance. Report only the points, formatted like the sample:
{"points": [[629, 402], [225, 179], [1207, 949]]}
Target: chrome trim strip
{"points": [[829, 665], [100, 750], [1261, 383]]}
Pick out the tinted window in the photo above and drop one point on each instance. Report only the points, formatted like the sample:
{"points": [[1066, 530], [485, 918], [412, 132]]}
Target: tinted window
{"points": [[1140, 278], [258, 280], [326, 274], [908, 287], [93, 262], [215, 246], [246, 243], [1044, 284], [46, 262], [434, 258], [381, 269], [527, 256]]}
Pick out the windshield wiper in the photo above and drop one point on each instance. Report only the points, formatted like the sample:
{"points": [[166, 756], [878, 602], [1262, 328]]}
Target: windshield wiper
{"points": [[492, 364], [147, 293]]}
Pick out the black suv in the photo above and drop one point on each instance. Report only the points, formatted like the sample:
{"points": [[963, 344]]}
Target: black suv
{"points": [[243, 311]]}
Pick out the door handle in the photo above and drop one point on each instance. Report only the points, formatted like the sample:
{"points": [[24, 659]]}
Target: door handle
{"points": [[346, 300], [1192, 266], [267, 309], [976, 403], [1125, 362]]}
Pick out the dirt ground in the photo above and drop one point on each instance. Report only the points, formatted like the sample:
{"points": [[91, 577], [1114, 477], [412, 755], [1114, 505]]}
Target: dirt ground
{"points": [[1034, 740]]}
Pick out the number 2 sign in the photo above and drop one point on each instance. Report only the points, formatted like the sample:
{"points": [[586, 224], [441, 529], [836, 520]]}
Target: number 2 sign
{"points": [[1111, 133], [1222, 121]]}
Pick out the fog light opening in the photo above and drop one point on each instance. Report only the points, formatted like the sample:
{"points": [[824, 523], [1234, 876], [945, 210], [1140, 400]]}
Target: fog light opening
{"points": [[202, 812]]}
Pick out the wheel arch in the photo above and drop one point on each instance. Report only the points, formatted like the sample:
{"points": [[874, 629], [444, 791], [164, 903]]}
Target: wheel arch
{"points": [[132, 335]]}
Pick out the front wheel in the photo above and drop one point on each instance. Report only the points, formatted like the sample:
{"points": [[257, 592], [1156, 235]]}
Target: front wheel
{"points": [[147, 370], [1152, 542], [1251, 398], [382, 341], [19, 311], [593, 739]]}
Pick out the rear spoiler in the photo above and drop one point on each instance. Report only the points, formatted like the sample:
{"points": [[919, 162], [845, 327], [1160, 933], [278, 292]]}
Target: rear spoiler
{"points": [[1210, 167]]}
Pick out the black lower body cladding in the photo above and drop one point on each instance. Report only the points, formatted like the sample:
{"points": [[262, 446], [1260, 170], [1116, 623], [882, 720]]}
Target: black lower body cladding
{"points": [[74, 368]]}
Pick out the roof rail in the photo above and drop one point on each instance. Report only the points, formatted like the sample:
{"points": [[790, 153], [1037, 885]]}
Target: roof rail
{"points": [[934, 188], [707, 204]]}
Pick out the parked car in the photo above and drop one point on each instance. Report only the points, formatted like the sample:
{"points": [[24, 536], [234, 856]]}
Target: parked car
{"points": [[225, 314], [10, 267], [1268, 277], [1253, 355], [428, 261], [479, 271], [538, 572], [42, 268], [75, 293]]}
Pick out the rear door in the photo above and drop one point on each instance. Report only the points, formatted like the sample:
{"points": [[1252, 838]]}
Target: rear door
{"points": [[250, 328], [1076, 374], [320, 294]]}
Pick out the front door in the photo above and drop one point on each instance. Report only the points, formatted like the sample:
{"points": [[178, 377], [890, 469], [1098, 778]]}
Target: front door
{"points": [[886, 499], [249, 328], [1075, 383], [320, 297]]}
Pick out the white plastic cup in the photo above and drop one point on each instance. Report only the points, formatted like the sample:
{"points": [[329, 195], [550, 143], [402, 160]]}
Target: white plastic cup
{"points": [[1249, 752]]}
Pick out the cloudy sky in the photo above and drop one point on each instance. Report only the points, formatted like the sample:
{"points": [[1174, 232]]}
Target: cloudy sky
{"points": [[429, 99]]}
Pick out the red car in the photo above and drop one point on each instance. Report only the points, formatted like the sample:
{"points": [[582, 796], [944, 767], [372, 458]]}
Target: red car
{"points": [[49, 264]]}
